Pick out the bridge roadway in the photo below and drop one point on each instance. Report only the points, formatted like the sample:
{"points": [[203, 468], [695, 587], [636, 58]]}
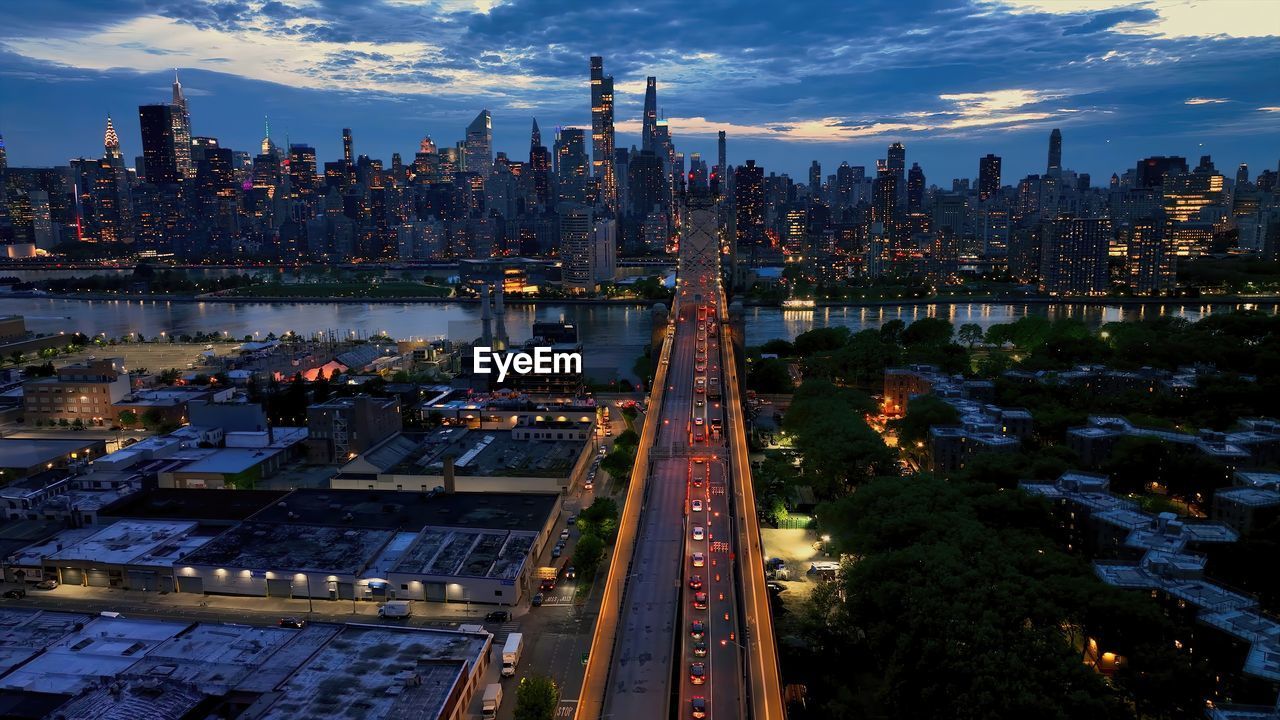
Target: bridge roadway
{"points": [[643, 651]]}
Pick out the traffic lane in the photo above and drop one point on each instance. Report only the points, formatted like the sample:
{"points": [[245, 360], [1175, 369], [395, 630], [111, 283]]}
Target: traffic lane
{"points": [[696, 519], [725, 651], [642, 660]]}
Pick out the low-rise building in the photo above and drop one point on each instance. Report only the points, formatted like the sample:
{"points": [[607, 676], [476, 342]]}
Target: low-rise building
{"points": [[22, 457], [85, 392], [342, 428]]}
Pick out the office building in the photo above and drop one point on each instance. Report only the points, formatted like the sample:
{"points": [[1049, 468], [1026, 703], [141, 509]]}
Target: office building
{"points": [[602, 133], [1151, 260], [1055, 153], [649, 128], [577, 247], [748, 196], [82, 393], [160, 162], [988, 177], [478, 147], [341, 428]]}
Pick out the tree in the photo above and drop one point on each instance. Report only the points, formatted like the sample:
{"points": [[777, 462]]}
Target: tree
{"points": [[770, 376], [587, 554], [821, 340], [927, 331], [924, 412], [537, 698], [779, 347], [128, 418], [152, 419], [971, 334], [600, 518], [628, 438]]}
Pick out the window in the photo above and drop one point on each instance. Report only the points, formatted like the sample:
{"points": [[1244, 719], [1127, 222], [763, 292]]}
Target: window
{"points": [[404, 587], [497, 593]]}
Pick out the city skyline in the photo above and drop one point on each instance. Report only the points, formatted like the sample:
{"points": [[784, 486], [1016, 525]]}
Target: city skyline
{"points": [[1182, 91]]}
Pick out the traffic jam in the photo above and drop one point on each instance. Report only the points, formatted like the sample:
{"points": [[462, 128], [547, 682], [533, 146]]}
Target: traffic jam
{"points": [[708, 601]]}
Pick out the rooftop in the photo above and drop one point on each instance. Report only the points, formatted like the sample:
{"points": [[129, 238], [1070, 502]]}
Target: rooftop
{"points": [[412, 510], [134, 542], [381, 672], [455, 552], [280, 547], [477, 453], [29, 452], [183, 504]]}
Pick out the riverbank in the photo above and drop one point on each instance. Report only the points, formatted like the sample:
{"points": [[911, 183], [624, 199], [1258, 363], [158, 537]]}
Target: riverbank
{"points": [[1026, 300], [422, 300]]}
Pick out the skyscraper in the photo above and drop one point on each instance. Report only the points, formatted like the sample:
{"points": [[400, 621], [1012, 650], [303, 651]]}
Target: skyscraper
{"points": [[988, 176], [181, 119], [1151, 259], [539, 167], [815, 179], [721, 159], [576, 247], [119, 181], [602, 137], [348, 151], [748, 200], [572, 165], [884, 197], [160, 163], [4, 157], [896, 162], [1074, 256], [1055, 152], [915, 189], [478, 147], [649, 130]]}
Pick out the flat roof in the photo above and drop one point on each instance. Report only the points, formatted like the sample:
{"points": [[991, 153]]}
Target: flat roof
{"points": [[412, 510], [230, 460], [132, 541], [29, 452], [374, 671], [483, 453], [281, 547], [473, 553], [1250, 496], [193, 504], [79, 659], [25, 633]]}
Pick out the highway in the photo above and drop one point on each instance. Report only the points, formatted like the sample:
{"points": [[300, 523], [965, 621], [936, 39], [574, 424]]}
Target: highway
{"points": [[674, 565]]}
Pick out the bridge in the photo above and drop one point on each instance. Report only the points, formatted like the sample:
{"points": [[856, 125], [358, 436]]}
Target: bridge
{"points": [[685, 626]]}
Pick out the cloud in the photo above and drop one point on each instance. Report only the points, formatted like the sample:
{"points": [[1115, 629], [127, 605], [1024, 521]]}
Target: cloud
{"points": [[1270, 109], [1205, 101], [1167, 18]]}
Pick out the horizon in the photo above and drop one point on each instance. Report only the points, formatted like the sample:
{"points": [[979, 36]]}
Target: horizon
{"points": [[1122, 80]]}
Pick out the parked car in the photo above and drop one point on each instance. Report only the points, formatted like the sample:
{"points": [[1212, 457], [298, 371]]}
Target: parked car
{"points": [[573, 520], [292, 622], [46, 584], [15, 594], [537, 600], [498, 616], [555, 551], [564, 535]]}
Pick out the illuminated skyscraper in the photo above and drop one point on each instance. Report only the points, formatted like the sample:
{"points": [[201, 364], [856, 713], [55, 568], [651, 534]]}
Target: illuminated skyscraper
{"points": [[539, 167], [748, 199], [572, 165], [815, 179], [988, 176], [118, 180], [1055, 152], [649, 131], [181, 119], [722, 157], [348, 152], [1074, 256], [4, 157], [1151, 260], [602, 137], [884, 197], [478, 147], [896, 162]]}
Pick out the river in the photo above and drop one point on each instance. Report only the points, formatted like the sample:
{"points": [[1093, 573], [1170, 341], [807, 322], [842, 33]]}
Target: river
{"points": [[613, 335]]}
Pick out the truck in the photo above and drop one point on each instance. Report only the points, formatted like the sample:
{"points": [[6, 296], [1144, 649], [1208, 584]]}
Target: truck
{"points": [[547, 578], [395, 609], [511, 654], [492, 700]]}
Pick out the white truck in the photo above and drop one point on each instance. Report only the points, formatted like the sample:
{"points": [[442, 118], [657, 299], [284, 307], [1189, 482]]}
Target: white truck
{"points": [[511, 654], [492, 700], [395, 609]]}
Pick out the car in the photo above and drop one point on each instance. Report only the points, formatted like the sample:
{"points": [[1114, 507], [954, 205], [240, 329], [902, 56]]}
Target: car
{"points": [[292, 622], [698, 421], [699, 533], [537, 600], [699, 649], [697, 629], [698, 707], [699, 403], [15, 594], [699, 559], [588, 485], [564, 535], [569, 572], [775, 587], [46, 584], [697, 506], [699, 601], [697, 673], [498, 616], [573, 520], [555, 551], [695, 582]]}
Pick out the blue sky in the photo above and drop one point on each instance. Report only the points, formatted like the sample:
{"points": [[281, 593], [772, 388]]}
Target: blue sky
{"points": [[789, 81]]}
